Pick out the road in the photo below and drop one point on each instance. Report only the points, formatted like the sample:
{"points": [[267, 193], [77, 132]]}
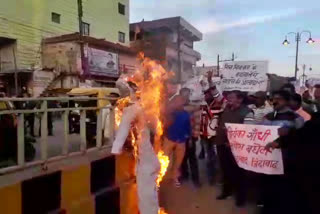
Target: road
{"points": [[55, 142], [183, 200], [189, 200]]}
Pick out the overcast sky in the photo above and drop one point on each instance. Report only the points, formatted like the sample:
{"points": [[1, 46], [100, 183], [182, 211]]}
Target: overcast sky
{"points": [[253, 29]]}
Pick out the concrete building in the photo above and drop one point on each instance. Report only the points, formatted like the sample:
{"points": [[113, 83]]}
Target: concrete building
{"points": [[170, 41], [24, 25]]}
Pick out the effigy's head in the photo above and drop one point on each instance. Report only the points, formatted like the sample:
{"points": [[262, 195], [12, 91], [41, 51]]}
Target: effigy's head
{"points": [[123, 87]]}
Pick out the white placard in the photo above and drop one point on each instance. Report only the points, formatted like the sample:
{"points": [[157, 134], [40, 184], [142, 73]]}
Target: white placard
{"points": [[248, 76], [313, 81], [248, 143]]}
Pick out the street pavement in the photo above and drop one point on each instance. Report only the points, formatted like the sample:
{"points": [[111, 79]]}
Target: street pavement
{"points": [[184, 200], [56, 141], [189, 200]]}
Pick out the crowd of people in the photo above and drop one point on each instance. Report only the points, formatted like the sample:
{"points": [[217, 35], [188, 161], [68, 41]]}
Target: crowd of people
{"points": [[188, 123]]}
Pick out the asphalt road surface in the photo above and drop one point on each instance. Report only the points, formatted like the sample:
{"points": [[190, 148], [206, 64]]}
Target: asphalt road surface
{"points": [[184, 200]]}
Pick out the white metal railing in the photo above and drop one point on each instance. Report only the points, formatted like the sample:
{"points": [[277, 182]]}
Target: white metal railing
{"points": [[43, 111]]}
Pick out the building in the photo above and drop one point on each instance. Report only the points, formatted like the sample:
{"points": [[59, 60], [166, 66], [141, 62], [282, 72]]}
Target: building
{"points": [[24, 25], [170, 41], [101, 63]]}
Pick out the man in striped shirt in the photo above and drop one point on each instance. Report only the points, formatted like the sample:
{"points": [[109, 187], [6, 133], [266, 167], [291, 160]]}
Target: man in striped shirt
{"points": [[209, 123]]}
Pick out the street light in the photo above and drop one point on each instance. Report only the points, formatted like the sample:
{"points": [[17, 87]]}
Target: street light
{"points": [[286, 42], [298, 39], [310, 41]]}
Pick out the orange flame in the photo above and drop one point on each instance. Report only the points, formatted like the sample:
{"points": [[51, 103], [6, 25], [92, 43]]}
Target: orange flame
{"points": [[150, 81], [121, 104], [150, 89], [164, 163], [162, 211], [134, 144]]}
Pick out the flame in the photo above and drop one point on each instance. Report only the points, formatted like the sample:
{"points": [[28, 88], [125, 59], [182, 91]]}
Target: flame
{"points": [[162, 211], [149, 80], [134, 144], [121, 104], [164, 163]]}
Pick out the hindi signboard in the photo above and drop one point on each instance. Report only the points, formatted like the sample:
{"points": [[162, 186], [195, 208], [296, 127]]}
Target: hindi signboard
{"points": [[248, 143], [313, 81], [248, 76]]}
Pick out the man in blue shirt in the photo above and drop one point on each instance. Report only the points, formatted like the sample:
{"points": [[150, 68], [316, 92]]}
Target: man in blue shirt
{"points": [[177, 133]]}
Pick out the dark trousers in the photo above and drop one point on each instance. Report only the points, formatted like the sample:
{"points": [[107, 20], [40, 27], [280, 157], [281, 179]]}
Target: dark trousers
{"points": [[296, 192], [50, 125], [278, 195], [30, 120], [308, 187], [234, 177], [190, 161], [211, 157]]}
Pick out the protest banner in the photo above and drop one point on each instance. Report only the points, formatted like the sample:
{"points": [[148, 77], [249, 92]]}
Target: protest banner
{"points": [[248, 143], [313, 81], [250, 76]]}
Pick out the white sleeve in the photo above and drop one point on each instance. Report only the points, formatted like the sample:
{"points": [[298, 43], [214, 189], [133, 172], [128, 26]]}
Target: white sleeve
{"points": [[106, 123], [249, 119], [129, 114]]}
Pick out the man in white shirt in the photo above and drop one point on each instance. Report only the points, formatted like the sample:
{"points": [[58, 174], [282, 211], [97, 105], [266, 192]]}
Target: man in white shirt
{"points": [[260, 107]]}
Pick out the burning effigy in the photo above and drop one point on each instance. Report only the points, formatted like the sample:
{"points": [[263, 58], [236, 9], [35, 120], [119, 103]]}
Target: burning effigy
{"points": [[138, 117]]}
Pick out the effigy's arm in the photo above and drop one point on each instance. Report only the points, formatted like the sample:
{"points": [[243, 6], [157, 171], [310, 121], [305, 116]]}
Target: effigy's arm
{"points": [[128, 116]]}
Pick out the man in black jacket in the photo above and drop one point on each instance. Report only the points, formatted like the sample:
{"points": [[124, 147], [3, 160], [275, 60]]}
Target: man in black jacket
{"points": [[233, 176], [303, 168]]}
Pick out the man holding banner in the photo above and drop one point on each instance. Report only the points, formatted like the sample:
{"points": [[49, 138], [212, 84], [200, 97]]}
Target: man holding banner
{"points": [[278, 194], [304, 169], [233, 176]]}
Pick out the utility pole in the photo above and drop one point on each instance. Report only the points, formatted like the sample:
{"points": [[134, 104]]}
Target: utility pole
{"points": [[179, 56], [304, 76], [15, 71], [80, 16], [227, 60], [298, 39]]}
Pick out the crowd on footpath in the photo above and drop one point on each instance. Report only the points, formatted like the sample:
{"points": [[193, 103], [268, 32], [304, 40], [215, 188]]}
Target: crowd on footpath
{"points": [[8, 127], [188, 123]]}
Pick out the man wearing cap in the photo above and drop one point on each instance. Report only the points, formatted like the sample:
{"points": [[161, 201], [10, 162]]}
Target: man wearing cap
{"points": [[260, 107], [209, 123]]}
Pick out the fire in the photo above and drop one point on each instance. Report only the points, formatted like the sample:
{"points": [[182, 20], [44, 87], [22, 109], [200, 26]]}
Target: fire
{"points": [[121, 104], [149, 80], [164, 163], [161, 211], [134, 144]]}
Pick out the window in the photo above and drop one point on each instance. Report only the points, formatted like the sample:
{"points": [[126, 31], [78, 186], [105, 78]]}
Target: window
{"points": [[132, 35], [55, 17], [122, 37], [85, 29], [122, 9], [190, 45]]}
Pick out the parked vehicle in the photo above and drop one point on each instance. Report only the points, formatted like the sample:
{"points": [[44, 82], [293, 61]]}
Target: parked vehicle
{"points": [[91, 115]]}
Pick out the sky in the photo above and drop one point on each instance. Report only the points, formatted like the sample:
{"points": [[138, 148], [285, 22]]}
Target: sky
{"points": [[252, 29]]}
